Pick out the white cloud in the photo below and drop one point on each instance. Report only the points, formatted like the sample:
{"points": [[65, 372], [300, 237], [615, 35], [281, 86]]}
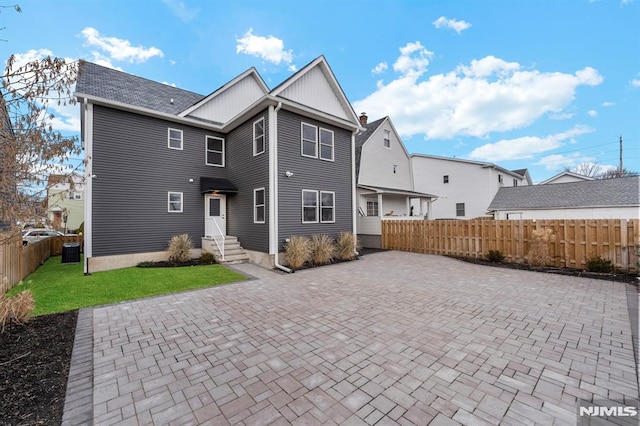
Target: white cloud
{"points": [[380, 68], [270, 49], [525, 147], [169, 84], [457, 26], [608, 104], [116, 48], [560, 161], [181, 10], [635, 82], [487, 95], [592, 113]]}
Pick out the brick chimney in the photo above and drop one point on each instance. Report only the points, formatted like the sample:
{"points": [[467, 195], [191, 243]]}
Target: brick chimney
{"points": [[363, 119]]}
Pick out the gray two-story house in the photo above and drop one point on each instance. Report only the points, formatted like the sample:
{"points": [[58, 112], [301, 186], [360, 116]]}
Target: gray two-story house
{"points": [[243, 162]]}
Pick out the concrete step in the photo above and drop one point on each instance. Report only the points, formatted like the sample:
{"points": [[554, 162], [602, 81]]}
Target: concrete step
{"points": [[233, 251]]}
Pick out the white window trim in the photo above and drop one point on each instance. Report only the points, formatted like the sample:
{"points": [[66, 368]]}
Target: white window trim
{"points": [[317, 142], [264, 136], [320, 144], [374, 205], [316, 208], [169, 202], [384, 138], [464, 210], [207, 150], [169, 139], [332, 207], [255, 205]]}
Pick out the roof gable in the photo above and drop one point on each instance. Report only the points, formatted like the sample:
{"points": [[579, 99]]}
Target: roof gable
{"points": [[566, 176], [229, 100], [316, 86]]}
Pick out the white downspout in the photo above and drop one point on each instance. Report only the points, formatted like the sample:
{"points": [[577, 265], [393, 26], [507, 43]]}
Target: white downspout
{"points": [[354, 195], [274, 192], [88, 190]]}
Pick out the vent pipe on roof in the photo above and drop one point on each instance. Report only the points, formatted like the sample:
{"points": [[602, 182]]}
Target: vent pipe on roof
{"points": [[171, 101]]}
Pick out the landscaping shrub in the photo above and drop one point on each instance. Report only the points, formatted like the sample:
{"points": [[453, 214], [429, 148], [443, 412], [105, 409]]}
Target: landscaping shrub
{"points": [[146, 264], [298, 251], [207, 258], [16, 308], [322, 249], [538, 254], [598, 264], [494, 256], [179, 247], [346, 246]]}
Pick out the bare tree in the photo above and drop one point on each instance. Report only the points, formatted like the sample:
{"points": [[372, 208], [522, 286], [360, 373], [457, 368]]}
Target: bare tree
{"points": [[29, 146], [616, 173], [587, 168]]}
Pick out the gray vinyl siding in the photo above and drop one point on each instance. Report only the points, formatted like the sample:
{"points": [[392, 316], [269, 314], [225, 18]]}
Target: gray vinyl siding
{"points": [[248, 172], [312, 174], [134, 172]]}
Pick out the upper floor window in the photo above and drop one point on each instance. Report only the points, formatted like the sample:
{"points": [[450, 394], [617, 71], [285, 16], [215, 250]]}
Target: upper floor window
{"points": [[214, 151], [258, 137], [309, 140], [174, 138], [459, 209], [326, 144], [259, 206], [387, 139], [515, 182], [499, 178], [445, 179], [73, 195], [174, 202]]}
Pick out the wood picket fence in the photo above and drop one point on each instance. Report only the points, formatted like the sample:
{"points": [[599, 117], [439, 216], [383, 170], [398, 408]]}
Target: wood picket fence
{"points": [[18, 261], [574, 241]]}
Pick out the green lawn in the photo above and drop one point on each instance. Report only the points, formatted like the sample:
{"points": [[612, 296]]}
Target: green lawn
{"points": [[58, 288]]}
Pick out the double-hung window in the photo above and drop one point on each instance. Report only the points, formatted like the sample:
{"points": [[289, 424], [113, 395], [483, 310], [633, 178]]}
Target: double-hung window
{"points": [[174, 137], [459, 209], [259, 206], [327, 207], [309, 206], [326, 144], [75, 195], [214, 151], [372, 208], [174, 200], [258, 137], [387, 139], [309, 146]]}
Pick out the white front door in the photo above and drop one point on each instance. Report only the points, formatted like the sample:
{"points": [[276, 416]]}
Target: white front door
{"points": [[215, 209]]}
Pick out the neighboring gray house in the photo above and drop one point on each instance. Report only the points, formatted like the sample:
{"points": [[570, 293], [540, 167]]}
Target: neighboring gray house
{"points": [[590, 199], [385, 187], [244, 161]]}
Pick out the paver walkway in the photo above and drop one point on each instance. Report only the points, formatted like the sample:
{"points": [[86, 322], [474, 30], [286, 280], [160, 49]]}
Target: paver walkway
{"points": [[393, 338]]}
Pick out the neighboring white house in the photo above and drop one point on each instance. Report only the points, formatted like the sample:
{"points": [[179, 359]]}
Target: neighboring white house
{"points": [[565, 177], [65, 200], [385, 186], [591, 199], [464, 188]]}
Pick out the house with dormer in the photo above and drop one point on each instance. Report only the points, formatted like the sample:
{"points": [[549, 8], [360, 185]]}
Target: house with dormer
{"points": [[385, 187], [245, 165]]}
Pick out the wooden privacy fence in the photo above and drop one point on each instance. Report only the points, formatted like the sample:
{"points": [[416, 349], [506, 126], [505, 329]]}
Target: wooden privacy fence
{"points": [[18, 261], [574, 241]]}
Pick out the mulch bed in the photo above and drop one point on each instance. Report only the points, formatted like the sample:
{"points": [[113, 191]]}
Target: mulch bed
{"points": [[620, 277], [34, 366]]}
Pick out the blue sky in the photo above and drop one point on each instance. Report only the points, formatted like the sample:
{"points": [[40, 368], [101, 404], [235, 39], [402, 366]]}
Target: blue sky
{"points": [[537, 84]]}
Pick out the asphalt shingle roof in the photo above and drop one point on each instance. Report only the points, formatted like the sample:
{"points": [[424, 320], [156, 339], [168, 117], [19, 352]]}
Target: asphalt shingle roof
{"points": [[596, 193], [361, 138], [107, 83]]}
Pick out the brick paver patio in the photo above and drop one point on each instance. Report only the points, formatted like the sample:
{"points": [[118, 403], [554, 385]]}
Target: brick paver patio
{"points": [[393, 338]]}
